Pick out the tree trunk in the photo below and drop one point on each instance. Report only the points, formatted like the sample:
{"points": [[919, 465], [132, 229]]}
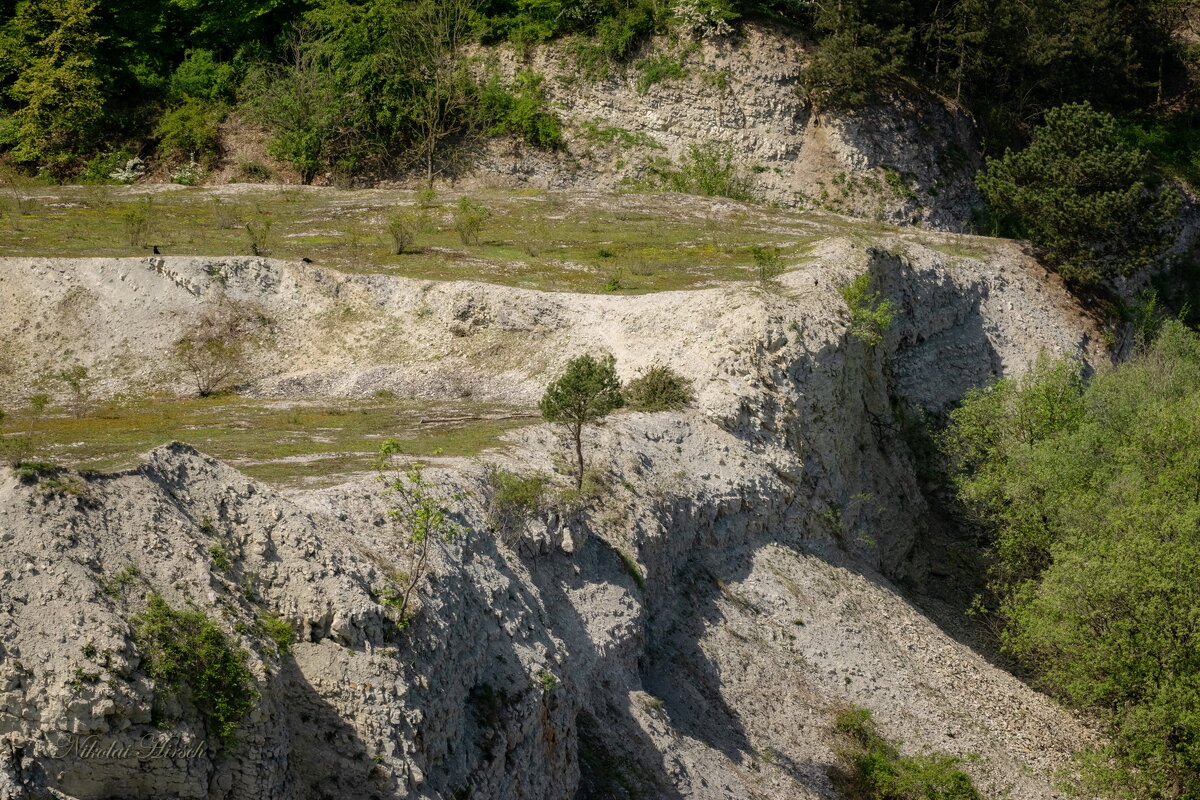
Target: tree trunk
{"points": [[578, 434]]}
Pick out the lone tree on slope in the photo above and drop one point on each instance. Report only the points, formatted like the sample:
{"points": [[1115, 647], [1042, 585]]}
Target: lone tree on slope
{"points": [[585, 392]]}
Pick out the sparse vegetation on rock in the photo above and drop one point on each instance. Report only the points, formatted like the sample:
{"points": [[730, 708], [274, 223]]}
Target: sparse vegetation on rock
{"points": [[874, 769], [186, 650], [870, 314], [214, 350]]}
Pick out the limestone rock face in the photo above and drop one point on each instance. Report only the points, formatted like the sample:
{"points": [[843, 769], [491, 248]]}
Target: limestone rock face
{"points": [[908, 159], [691, 634]]}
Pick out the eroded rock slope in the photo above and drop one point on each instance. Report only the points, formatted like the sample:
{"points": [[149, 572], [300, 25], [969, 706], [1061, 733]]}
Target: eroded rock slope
{"points": [[690, 634]]}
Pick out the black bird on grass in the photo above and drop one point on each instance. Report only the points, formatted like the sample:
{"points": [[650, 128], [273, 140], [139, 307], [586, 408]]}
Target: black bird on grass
{"points": [[155, 248], [307, 260]]}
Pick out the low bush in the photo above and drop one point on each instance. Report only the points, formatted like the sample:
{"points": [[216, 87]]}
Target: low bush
{"points": [[521, 110], [278, 630], [870, 316], [187, 650], [469, 218], [402, 228], [874, 769], [657, 68], [139, 219], [513, 498], [659, 388], [188, 132], [768, 263], [710, 170]]}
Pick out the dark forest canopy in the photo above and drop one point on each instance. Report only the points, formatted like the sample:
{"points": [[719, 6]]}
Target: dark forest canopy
{"points": [[348, 85]]}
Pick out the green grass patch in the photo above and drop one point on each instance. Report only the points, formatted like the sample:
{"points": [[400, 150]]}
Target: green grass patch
{"points": [[281, 442], [530, 239]]}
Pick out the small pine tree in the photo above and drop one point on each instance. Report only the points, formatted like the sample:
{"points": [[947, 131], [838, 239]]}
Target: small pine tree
{"points": [[1083, 195], [587, 391]]}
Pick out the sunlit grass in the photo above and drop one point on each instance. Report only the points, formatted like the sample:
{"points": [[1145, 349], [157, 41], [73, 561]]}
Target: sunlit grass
{"points": [[557, 242], [283, 442]]}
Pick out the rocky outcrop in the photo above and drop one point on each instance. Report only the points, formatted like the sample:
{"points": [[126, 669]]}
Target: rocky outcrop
{"points": [[690, 632], [908, 160]]}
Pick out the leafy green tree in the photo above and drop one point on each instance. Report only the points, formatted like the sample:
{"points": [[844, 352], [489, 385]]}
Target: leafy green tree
{"points": [[300, 101], [61, 87], [190, 131], [1083, 195], [1092, 492], [586, 392]]}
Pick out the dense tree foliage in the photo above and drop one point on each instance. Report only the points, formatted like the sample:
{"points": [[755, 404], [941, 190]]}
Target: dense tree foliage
{"points": [[1092, 489], [1083, 194], [367, 85]]}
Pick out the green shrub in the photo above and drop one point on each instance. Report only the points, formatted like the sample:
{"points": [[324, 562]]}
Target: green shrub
{"points": [[101, 168], [658, 68], [220, 558], [631, 566], [278, 630], [704, 18], [258, 236], [34, 470], [521, 110], [187, 650], [615, 38], [254, 171], [139, 220], [469, 218], [402, 228], [513, 498], [710, 170], [768, 263], [659, 388], [1083, 195], [189, 132], [202, 77], [870, 316], [875, 770]]}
